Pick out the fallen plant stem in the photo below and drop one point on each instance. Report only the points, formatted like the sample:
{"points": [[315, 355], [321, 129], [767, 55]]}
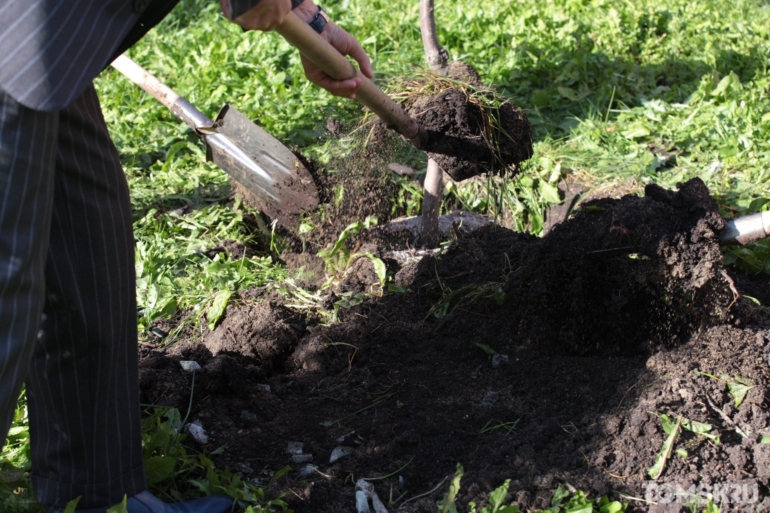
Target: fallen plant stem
{"points": [[375, 403], [189, 404], [391, 474], [425, 494], [722, 414], [632, 498], [510, 427]]}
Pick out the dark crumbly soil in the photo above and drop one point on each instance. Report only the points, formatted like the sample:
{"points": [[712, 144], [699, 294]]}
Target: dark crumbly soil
{"points": [[602, 325], [349, 190], [458, 127]]}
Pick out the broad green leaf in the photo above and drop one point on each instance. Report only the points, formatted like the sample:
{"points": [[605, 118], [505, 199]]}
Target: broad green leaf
{"points": [[739, 388], [500, 296], [636, 131], [120, 507], [667, 423], [71, 505], [583, 508], [18, 432], [558, 496], [218, 307], [158, 468], [204, 485], [485, 348], [730, 81], [497, 497], [660, 464], [285, 470], [379, 266], [700, 428], [278, 78], [568, 93], [611, 507], [448, 504], [541, 98], [549, 192]]}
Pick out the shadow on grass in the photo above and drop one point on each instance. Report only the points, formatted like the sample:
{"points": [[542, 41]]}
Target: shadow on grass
{"points": [[566, 87]]}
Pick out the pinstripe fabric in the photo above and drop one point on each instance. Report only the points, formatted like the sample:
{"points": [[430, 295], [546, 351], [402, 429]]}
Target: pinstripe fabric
{"points": [[82, 384], [51, 50], [27, 153]]}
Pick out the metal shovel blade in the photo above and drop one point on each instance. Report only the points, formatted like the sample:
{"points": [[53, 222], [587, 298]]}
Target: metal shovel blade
{"points": [[261, 164], [279, 182]]}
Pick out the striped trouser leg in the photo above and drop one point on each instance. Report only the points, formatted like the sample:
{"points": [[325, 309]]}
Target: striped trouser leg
{"points": [[27, 154], [83, 382]]}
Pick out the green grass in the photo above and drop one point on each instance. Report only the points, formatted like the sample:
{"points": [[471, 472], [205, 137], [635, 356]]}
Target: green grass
{"points": [[602, 82]]}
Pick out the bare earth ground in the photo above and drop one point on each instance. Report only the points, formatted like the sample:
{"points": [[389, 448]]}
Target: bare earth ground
{"points": [[597, 329]]}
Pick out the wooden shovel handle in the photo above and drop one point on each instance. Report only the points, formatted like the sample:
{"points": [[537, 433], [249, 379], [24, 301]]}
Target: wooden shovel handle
{"points": [[146, 80], [161, 92], [310, 44]]}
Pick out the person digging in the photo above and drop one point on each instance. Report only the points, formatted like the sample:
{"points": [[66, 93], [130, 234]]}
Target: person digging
{"points": [[67, 279]]}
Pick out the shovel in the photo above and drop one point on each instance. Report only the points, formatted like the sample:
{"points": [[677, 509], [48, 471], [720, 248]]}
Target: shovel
{"points": [[254, 158], [738, 231]]}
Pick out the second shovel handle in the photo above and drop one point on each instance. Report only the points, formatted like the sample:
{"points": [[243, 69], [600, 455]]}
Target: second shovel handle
{"points": [[181, 108], [310, 44]]}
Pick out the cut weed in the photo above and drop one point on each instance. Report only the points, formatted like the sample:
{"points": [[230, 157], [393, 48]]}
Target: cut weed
{"points": [[563, 501]]}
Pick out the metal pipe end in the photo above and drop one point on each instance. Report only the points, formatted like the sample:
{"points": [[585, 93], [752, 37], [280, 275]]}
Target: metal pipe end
{"points": [[746, 230]]}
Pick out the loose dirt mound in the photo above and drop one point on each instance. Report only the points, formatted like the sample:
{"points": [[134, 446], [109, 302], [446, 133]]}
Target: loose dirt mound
{"points": [[544, 361], [624, 274]]}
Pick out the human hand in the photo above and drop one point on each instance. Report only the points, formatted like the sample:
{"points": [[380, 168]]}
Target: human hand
{"points": [[265, 16], [346, 44]]}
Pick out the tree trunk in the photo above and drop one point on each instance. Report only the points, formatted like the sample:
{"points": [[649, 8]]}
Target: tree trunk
{"points": [[437, 56], [430, 233], [433, 188]]}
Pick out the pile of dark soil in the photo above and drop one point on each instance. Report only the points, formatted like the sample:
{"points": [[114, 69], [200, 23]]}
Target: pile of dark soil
{"points": [[544, 361]]}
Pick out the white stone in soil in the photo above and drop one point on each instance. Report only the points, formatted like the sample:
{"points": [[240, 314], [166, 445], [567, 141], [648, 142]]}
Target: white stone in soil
{"points": [[196, 431], [365, 492], [190, 365], [500, 359], [294, 447], [307, 470], [343, 437], [301, 458], [340, 452], [362, 502]]}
